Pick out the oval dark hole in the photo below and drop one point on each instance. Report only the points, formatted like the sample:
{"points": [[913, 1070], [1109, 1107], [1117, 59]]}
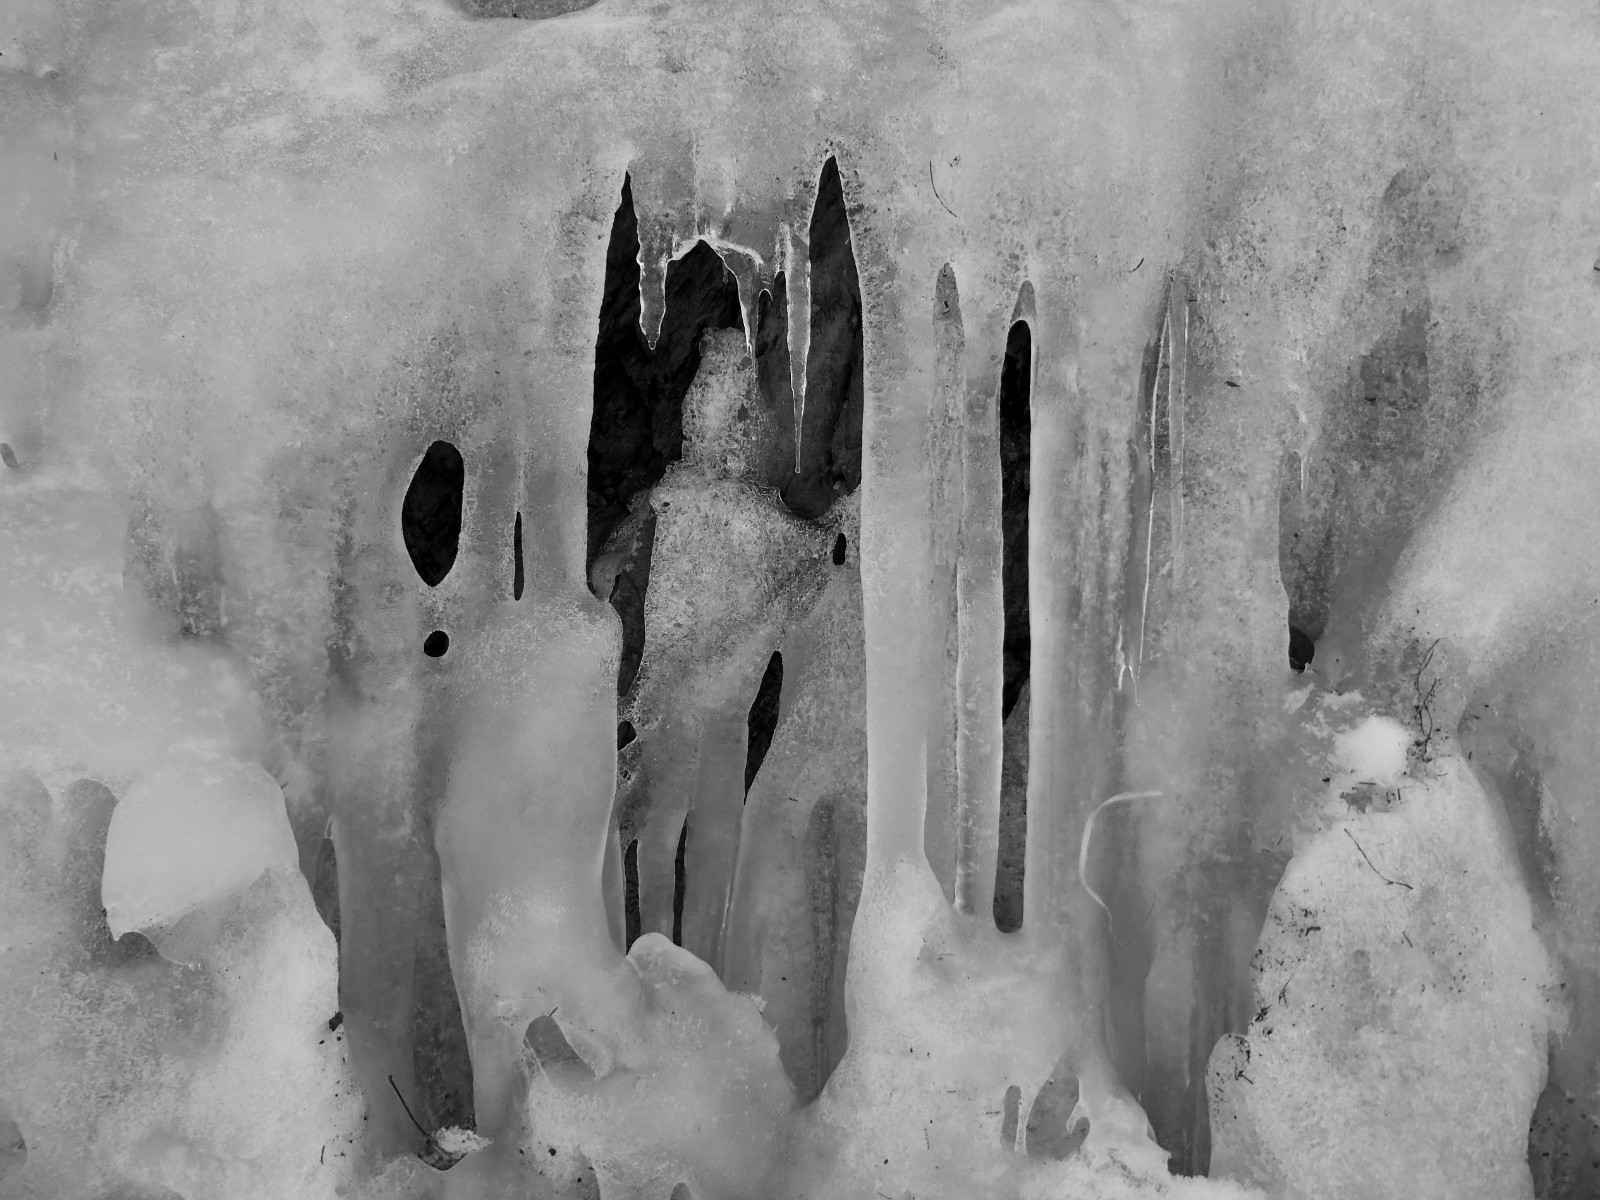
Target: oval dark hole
{"points": [[840, 547], [430, 517], [1301, 649], [8, 455], [436, 643]]}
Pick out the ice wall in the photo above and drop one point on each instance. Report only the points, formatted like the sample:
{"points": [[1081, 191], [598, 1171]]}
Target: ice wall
{"points": [[1306, 294]]}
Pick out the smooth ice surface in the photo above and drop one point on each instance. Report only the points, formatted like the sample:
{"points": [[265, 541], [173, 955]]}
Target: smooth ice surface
{"points": [[185, 841], [1310, 297]]}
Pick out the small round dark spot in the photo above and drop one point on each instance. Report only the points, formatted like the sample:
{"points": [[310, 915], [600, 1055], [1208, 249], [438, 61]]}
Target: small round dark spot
{"points": [[436, 644], [840, 546]]}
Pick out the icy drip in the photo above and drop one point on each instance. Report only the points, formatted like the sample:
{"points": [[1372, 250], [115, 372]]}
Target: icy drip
{"points": [[980, 606]]}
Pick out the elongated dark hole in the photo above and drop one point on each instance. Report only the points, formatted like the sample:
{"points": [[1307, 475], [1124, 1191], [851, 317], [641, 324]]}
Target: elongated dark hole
{"points": [[430, 515], [680, 882], [763, 718], [516, 559], [632, 920], [1016, 435]]}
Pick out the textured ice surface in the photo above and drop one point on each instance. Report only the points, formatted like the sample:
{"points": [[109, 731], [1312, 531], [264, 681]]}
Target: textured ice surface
{"points": [[337, 536]]}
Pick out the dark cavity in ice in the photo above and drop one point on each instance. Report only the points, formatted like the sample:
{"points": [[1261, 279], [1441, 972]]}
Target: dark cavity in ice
{"points": [[633, 921], [830, 427], [1016, 434], [516, 559], [436, 643], [1301, 648], [680, 882], [763, 718], [430, 517], [636, 428]]}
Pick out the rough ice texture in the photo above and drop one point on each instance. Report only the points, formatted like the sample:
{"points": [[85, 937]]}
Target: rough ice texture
{"points": [[1310, 295]]}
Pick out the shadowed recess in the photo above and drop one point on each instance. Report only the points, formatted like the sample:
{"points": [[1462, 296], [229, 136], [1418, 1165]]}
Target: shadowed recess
{"points": [[1301, 649], [439, 1056], [516, 559], [1016, 434], [763, 718], [637, 425], [633, 922], [830, 427], [680, 882], [430, 516], [628, 589]]}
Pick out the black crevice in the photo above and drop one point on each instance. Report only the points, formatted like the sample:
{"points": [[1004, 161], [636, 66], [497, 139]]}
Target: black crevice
{"points": [[1302, 649], [680, 882], [430, 516], [632, 920], [830, 430], [625, 734], [637, 425], [516, 559], [841, 547], [763, 718], [1016, 435], [628, 589]]}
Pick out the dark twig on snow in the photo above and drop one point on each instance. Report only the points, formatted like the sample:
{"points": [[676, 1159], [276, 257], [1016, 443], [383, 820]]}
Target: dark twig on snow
{"points": [[1375, 871], [936, 195]]}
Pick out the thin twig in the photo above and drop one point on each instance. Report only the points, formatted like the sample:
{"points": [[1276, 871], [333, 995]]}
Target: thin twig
{"points": [[1375, 871], [407, 1107], [1135, 266], [935, 188]]}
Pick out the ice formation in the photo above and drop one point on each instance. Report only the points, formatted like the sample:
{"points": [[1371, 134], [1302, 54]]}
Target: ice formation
{"points": [[578, 579]]}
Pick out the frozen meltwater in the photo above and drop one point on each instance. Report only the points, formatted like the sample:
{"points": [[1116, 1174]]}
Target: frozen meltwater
{"points": [[654, 600]]}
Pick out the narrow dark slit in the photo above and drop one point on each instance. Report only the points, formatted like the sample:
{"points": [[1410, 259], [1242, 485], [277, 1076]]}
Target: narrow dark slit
{"points": [[430, 515], [625, 733], [516, 559], [763, 719], [830, 429], [680, 882], [632, 921], [841, 548], [1016, 434]]}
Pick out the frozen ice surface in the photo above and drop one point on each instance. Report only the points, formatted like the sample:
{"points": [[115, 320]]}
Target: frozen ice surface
{"points": [[183, 843], [450, 748]]}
